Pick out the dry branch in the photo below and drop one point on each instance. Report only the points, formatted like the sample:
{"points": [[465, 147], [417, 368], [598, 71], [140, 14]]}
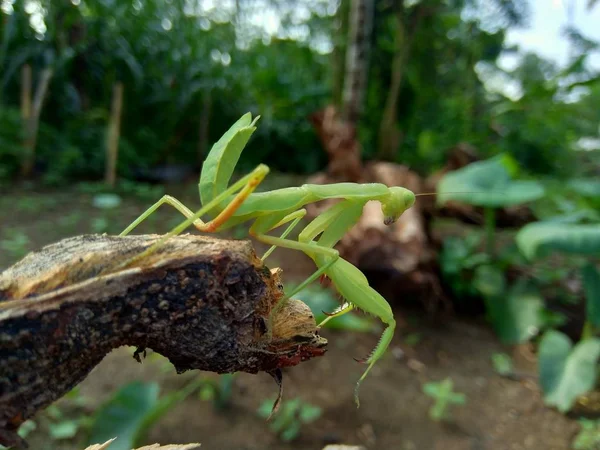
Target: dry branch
{"points": [[112, 135], [106, 446], [201, 302]]}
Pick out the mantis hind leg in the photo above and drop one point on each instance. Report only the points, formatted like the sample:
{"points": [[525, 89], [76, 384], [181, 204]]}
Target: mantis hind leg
{"points": [[245, 186]]}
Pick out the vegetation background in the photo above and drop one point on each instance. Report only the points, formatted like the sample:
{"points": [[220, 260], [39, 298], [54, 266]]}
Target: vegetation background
{"points": [[106, 105]]}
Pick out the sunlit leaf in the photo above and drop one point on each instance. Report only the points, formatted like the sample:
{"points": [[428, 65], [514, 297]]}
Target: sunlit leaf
{"points": [[541, 238], [488, 183]]}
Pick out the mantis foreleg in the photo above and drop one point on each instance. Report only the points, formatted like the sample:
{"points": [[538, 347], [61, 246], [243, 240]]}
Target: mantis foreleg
{"points": [[340, 311]]}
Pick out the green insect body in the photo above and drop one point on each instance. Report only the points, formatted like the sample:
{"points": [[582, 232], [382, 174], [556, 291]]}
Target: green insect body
{"points": [[238, 203]]}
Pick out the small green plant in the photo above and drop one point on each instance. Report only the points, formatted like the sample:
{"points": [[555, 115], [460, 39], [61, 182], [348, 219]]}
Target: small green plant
{"points": [[458, 260], [219, 391], [442, 393], [288, 422], [588, 437], [131, 412], [566, 370], [514, 310], [63, 421], [27, 427], [502, 364]]}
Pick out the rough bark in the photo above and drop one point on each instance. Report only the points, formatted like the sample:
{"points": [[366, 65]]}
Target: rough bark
{"points": [[357, 58], [407, 25], [201, 302]]}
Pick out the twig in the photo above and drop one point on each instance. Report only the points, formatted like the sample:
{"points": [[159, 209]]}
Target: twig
{"points": [[201, 302]]}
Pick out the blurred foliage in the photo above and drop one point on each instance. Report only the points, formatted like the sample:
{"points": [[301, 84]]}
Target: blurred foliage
{"points": [[189, 69], [287, 422], [132, 410], [567, 371], [444, 396], [588, 437]]}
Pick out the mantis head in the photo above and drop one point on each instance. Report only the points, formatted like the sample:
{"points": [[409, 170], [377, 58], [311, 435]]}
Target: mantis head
{"points": [[399, 200]]}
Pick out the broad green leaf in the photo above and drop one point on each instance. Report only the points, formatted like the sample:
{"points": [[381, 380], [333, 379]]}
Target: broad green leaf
{"points": [[291, 432], [309, 413], [566, 372], [589, 187], [124, 414], [541, 238], [223, 157], [487, 183], [591, 285], [65, 429], [516, 316], [588, 437]]}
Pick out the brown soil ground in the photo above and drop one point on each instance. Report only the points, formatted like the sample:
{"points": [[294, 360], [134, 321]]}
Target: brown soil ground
{"points": [[499, 413]]}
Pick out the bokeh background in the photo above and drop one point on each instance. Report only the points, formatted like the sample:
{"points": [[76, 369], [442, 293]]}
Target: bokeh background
{"points": [[107, 105]]}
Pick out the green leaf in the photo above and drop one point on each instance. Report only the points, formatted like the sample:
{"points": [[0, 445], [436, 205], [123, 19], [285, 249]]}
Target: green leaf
{"points": [[292, 431], [164, 405], [265, 408], [589, 187], [488, 183], [541, 238], [566, 372], [123, 415], [588, 437], [489, 281], [502, 363], [63, 430], [591, 285], [516, 316], [309, 413]]}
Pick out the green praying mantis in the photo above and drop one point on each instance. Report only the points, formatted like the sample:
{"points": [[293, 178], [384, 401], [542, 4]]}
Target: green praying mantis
{"points": [[228, 206]]}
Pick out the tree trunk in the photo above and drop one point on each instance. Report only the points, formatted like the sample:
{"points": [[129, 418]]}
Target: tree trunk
{"points": [[203, 135], [113, 134], [33, 122], [357, 59], [389, 134], [340, 36]]}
